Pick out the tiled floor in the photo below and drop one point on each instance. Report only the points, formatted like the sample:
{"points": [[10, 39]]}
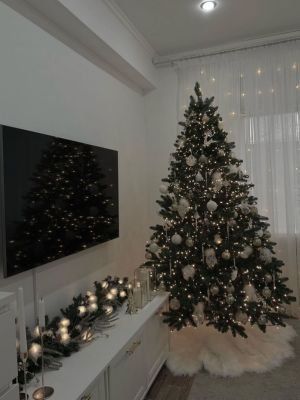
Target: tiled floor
{"points": [[169, 387]]}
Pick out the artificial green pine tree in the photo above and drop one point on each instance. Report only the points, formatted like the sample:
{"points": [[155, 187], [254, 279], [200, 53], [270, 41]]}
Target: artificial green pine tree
{"points": [[213, 251]]}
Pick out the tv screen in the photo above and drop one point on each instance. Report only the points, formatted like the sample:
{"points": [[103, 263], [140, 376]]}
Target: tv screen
{"points": [[58, 197]]}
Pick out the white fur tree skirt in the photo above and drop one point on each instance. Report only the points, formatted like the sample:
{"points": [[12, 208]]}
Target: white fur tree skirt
{"points": [[222, 354]]}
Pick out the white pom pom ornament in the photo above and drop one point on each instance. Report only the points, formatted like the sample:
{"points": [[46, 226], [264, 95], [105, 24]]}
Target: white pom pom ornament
{"points": [[211, 206], [191, 161], [188, 272]]}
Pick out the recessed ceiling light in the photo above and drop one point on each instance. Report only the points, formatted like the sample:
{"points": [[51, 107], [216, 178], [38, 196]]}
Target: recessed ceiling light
{"points": [[208, 6]]}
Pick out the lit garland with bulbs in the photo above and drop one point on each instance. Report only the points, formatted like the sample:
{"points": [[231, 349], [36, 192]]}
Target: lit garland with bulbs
{"points": [[88, 314], [212, 251]]}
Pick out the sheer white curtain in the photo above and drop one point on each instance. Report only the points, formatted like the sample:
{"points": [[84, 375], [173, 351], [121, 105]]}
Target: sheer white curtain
{"points": [[258, 92]]}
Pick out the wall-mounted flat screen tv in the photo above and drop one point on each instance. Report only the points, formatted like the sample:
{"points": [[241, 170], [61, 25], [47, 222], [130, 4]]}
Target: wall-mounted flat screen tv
{"points": [[58, 197]]}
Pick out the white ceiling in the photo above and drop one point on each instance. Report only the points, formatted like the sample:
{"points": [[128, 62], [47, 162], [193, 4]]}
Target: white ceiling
{"points": [[175, 26]]}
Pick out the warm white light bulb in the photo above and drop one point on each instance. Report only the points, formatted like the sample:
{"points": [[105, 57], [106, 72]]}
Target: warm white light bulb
{"points": [[208, 6]]}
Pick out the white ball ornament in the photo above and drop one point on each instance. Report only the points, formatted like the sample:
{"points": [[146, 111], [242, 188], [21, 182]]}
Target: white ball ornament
{"points": [[199, 177], [266, 292], [184, 203], [191, 161], [246, 252], [257, 242], [241, 317], [174, 304], [189, 242], [176, 239], [230, 299], [221, 125], [226, 255], [205, 118], [214, 290], [81, 310], [250, 293], [211, 205], [188, 272], [153, 247], [163, 189], [203, 159]]}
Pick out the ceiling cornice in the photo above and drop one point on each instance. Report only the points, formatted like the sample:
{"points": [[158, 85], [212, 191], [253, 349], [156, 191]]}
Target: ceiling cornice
{"points": [[170, 60], [130, 26]]}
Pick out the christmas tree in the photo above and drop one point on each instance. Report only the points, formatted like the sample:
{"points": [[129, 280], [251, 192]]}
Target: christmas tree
{"points": [[66, 209], [213, 250]]}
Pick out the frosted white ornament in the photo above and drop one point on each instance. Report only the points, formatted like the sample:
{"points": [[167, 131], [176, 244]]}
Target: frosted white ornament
{"points": [[226, 255], [221, 125], [217, 177], [191, 161], [174, 304], [211, 205], [241, 317], [230, 299], [184, 202], [246, 252], [189, 242], [221, 153], [163, 189], [256, 242], [205, 118], [234, 274], [153, 247], [260, 233], [266, 292], [250, 293], [210, 258], [182, 210], [267, 234], [233, 169], [203, 159], [214, 290], [188, 272], [176, 239], [199, 177], [265, 255]]}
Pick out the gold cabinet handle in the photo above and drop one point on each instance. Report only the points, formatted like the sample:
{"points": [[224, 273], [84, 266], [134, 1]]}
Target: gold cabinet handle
{"points": [[133, 347]]}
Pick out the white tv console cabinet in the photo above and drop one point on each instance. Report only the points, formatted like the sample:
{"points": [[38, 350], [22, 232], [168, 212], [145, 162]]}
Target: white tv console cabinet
{"points": [[122, 366]]}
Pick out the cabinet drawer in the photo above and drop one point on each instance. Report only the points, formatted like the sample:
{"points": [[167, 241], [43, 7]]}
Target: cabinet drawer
{"points": [[8, 363], [11, 394]]}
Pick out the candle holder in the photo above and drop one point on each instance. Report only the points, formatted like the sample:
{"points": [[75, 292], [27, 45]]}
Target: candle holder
{"points": [[24, 357], [43, 392]]}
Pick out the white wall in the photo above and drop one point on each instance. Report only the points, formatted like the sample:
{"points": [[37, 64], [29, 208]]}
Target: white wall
{"points": [[48, 88], [161, 122]]}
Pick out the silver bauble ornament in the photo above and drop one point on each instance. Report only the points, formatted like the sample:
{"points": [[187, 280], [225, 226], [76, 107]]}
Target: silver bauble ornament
{"points": [[203, 159], [205, 118], [262, 320], [268, 278], [241, 317], [214, 290], [199, 177], [211, 205], [230, 288], [267, 234], [174, 304], [191, 161], [226, 255], [153, 247], [189, 242], [176, 239], [266, 292], [163, 189], [230, 299], [257, 242], [188, 272]]}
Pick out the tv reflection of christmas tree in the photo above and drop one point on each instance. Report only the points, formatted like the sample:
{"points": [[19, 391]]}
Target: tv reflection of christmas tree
{"points": [[66, 210]]}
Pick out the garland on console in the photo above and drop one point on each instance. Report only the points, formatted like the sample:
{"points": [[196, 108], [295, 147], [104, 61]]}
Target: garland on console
{"points": [[88, 314]]}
